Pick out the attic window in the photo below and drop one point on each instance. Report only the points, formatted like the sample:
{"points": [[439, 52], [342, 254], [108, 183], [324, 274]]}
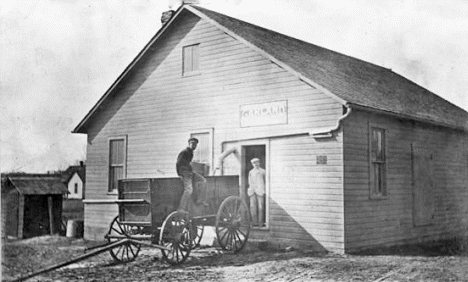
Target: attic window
{"points": [[191, 59]]}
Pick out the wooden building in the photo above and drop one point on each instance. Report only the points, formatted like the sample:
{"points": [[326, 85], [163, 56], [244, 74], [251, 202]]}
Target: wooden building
{"points": [[31, 205], [74, 178], [356, 155]]}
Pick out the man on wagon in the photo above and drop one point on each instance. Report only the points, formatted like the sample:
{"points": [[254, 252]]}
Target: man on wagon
{"points": [[189, 177]]}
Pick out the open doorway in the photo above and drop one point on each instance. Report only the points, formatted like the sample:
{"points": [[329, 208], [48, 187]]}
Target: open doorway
{"points": [[257, 204]]}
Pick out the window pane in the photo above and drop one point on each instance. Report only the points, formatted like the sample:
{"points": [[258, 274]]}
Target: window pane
{"points": [[378, 181], [116, 173], [378, 162], [187, 59], [202, 153], [117, 152], [191, 58], [374, 145], [377, 144], [195, 57], [116, 162]]}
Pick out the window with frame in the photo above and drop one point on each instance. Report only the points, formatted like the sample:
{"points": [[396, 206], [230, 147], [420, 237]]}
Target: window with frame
{"points": [[190, 59], [76, 188], [117, 159], [204, 151], [377, 163]]}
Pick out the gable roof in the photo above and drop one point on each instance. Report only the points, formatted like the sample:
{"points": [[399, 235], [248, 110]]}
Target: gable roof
{"points": [[38, 185], [349, 80], [71, 170]]}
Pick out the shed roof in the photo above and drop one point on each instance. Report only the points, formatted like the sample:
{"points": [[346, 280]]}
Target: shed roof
{"points": [[37, 185], [351, 81]]}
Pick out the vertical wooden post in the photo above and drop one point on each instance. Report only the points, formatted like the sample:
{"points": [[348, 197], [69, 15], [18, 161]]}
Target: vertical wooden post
{"points": [[51, 214], [4, 217], [20, 216]]}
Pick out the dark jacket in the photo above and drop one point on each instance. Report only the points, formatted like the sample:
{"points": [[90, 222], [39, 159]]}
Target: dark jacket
{"points": [[183, 161]]}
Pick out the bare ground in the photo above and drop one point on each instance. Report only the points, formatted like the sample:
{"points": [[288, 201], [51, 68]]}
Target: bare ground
{"points": [[445, 261]]}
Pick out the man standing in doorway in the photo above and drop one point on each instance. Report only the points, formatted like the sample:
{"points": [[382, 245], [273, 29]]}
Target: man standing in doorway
{"points": [[189, 177], [256, 193]]}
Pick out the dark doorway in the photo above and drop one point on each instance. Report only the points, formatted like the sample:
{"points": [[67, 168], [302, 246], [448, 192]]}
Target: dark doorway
{"points": [[36, 216], [12, 204], [250, 152]]}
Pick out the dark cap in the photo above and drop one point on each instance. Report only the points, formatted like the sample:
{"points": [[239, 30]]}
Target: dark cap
{"points": [[193, 140]]}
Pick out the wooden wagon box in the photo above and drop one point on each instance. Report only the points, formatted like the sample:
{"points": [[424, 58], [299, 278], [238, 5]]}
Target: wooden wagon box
{"points": [[148, 201]]}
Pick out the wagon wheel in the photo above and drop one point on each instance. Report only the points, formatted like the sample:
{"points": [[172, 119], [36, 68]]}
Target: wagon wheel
{"points": [[118, 231], [175, 234], [232, 224], [197, 234]]}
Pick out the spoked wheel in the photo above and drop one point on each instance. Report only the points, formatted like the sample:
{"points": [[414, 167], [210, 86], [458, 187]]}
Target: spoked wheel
{"points": [[175, 234], [197, 234], [232, 224], [118, 231]]}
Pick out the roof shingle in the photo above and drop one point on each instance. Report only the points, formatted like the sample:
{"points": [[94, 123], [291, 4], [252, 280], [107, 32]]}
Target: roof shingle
{"points": [[350, 80], [353, 80], [36, 185]]}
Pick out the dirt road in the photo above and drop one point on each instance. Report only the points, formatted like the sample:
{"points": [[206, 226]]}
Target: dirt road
{"points": [[209, 264]]}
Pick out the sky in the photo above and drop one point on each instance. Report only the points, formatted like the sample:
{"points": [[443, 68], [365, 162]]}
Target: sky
{"points": [[58, 57]]}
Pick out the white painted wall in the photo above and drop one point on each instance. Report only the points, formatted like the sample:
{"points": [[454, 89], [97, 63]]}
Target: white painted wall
{"points": [[71, 187]]}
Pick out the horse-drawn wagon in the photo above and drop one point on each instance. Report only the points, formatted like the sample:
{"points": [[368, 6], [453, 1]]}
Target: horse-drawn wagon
{"points": [[148, 216]]}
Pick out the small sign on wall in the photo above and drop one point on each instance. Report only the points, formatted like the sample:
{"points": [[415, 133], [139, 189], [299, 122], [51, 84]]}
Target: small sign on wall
{"points": [[264, 114], [321, 160]]}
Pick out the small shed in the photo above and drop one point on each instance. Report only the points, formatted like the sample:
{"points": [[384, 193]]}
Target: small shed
{"points": [[32, 205]]}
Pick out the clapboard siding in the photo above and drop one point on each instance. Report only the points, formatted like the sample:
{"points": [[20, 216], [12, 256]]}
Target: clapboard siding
{"points": [[97, 220], [156, 108], [299, 198], [388, 221]]}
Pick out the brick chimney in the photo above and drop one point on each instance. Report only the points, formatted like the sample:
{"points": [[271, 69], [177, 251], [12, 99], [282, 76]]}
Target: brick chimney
{"points": [[166, 16]]}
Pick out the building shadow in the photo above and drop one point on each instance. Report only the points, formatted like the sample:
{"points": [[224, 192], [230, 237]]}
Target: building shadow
{"points": [[441, 248]]}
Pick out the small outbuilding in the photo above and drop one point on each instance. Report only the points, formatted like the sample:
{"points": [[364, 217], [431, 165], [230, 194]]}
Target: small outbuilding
{"points": [[356, 156], [74, 177], [32, 205]]}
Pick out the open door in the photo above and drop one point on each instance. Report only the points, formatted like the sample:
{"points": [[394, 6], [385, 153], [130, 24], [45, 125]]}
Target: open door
{"points": [[248, 153]]}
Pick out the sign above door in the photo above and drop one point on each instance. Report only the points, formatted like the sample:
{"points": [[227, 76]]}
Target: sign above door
{"points": [[264, 114]]}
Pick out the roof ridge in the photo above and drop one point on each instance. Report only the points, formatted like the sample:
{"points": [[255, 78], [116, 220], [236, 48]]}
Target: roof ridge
{"points": [[293, 38], [343, 77], [354, 80]]}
